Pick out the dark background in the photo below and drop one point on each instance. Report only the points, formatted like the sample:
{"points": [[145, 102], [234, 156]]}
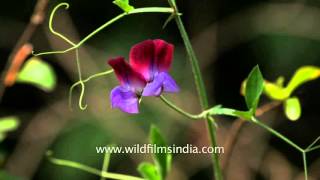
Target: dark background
{"points": [[230, 38]]}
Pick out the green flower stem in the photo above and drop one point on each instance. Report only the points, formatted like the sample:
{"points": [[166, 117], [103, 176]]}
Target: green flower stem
{"points": [[76, 165], [199, 85], [174, 107], [75, 46], [193, 60]]}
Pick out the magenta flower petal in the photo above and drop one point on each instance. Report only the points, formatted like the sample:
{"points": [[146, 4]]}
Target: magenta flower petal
{"points": [[141, 58], [126, 75], [163, 55], [151, 57], [163, 82], [124, 99]]}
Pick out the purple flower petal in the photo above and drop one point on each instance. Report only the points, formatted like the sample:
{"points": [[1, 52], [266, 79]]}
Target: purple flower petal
{"points": [[154, 88], [169, 84], [162, 82], [124, 99]]}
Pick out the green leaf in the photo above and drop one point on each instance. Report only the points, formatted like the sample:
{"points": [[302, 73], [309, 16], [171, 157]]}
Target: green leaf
{"points": [[124, 5], [292, 108], [38, 73], [162, 159], [8, 124], [254, 88], [303, 75], [149, 171]]}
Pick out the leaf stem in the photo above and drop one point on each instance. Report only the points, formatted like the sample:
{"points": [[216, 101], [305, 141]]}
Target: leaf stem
{"points": [[179, 110], [152, 10], [274, 132], [288, 141], [200, 87], [76, 165]]}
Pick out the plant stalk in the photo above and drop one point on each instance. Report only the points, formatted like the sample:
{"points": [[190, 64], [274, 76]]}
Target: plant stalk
{"points": [[200, 88]]}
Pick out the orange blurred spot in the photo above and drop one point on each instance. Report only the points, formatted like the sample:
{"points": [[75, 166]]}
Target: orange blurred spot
{"points": [[17, 61]]}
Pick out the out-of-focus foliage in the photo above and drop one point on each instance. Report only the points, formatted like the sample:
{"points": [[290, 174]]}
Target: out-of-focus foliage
{"points": [[292, 108], [304, 74], [162, 160], [149, 171], [276, 91], [7, 124], [78, 145], [38, 73]]}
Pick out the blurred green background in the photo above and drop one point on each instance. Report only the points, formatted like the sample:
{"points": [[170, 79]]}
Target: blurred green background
{"points": [[229, 37]]}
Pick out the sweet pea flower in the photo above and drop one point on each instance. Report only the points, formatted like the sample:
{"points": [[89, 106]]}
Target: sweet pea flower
{"points": [[146, 74]]}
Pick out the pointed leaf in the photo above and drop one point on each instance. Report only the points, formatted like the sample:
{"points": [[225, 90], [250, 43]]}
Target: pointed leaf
{"points": [[292, 108], [162, 159], [124, 5], [254, 88], [38, 73], [149, 171]]}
